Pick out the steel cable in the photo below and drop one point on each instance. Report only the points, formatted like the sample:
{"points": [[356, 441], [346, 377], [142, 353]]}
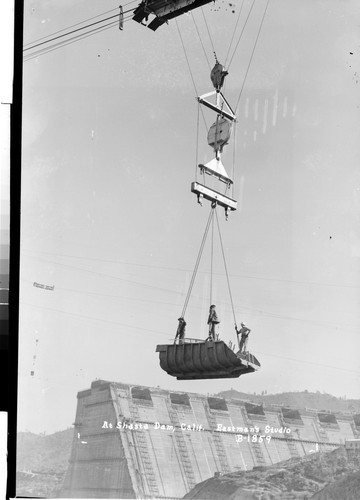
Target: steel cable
{"points": [[69, 27], [70, 32], [252, 54], [197, 262], [233, 35], [212, 255], [226, 271], [189, 67], [202, 45], [242, 31], [207, 27], [64, 43]]}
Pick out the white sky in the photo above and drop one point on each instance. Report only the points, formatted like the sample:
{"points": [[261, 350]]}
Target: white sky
{"points": [[108, 219]]}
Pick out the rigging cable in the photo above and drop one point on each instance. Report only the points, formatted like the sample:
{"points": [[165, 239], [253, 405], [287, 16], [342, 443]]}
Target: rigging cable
{"points": [[202, 45], [197, 141], [252, 54], [71, 26], [233, 161], [226, 271], [186, 57], [213, 208], [197, 262], [259, 312], [207, 27], [81, 22], [242, 31], [64, 43], [71, 32], [246, 276], [233, 35], [189, 67]]}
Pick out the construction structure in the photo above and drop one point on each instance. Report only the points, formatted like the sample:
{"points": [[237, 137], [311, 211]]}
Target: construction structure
{"points": [[142, 442]]}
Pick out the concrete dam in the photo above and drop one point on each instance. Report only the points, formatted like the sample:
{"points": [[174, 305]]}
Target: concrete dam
{"points": [[144, 442]]}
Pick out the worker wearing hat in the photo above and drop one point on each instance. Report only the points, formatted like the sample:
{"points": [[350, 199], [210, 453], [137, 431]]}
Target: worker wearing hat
{"points": [[180, 332], [244, 332], [212, 321]]}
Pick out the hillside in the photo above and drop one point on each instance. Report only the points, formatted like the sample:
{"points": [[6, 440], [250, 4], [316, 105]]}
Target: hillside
{"points": [[346, 488], [304, 399], [42, 462], [293, 479]]}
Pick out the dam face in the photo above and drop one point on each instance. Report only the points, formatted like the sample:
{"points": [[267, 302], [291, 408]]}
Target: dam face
{"points": [[142, 442]]}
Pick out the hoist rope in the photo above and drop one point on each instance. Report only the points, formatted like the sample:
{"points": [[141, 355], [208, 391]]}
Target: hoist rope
{"points": [[233, 35], [210, 221], [226, 271], [234, 159], [197, 262], [252, 54], [207, 27], [186, 57], [242, 31], [189, 67], [212, 253], [197, 141], [202, 45]]}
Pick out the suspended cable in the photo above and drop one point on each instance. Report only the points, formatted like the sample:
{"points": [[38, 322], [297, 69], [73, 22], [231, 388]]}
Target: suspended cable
{"points": [[226, 271], [242, 31], [197, 141], [73, 26], [308, 362], [74, 31], [212, 254], [197, 261], [252, 54], [258, 312], [111, 296], [76, 38], [186, 57], [246, 276], [233, 35], [207, 27], [202, 45], [189, 67], [118, 278], [63, 43], [92, 318], [233, 162]]}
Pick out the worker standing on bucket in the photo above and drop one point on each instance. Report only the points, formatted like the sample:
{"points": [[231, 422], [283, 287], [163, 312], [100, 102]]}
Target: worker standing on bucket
{"points": [[212, 321], [244, 332], [180, 333]]}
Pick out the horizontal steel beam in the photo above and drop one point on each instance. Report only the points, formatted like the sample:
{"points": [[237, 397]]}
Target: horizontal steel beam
{"points": [[210, 194]]}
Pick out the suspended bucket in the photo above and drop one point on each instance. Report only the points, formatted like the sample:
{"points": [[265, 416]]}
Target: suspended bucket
{"points": [[198, 359]]}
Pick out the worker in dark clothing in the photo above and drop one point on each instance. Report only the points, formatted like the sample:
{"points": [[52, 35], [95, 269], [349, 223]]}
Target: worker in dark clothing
{"points": [[244, 332], [180, 332], [212, 321]]}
